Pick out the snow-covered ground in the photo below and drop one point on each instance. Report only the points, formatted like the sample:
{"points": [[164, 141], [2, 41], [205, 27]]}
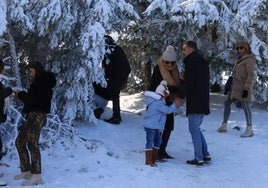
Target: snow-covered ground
{"points": [[112, 156]]}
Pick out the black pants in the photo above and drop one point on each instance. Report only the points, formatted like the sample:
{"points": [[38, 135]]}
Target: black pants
{"points": [[165, 138], [169, 125], [116, 103], [112, 92]]}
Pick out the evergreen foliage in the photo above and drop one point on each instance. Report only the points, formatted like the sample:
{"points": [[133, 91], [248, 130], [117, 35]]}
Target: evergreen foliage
{"points": [[215, 25], [67, 36]]}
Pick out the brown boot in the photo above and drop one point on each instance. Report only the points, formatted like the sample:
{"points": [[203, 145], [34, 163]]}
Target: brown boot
{"points": [[155, 155], [148, 155]]}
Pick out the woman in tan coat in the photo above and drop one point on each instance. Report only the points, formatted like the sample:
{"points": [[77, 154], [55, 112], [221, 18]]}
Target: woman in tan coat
{"points": [[242, 87]]}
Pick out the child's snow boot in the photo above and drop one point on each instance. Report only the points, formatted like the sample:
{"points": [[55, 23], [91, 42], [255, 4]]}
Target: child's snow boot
{"points": [[149, 155]]}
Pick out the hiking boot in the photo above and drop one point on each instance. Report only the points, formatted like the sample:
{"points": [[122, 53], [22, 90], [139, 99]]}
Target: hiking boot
{"points": [[195, 162], [207, 159], [114, 120]]}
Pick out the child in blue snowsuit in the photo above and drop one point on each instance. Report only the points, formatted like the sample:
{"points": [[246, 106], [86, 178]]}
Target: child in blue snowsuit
{"points": [[155, 118]]}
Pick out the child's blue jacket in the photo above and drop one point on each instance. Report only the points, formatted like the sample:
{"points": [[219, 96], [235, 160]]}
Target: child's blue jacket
{"points": [[155, 116]]}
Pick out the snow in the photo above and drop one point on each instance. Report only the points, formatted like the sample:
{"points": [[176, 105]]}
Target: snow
{"points": [[113, 155], [3, 22]]}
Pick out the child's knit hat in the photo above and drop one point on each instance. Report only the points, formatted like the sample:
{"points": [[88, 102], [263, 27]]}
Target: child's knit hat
{"points": [[162, 87]]}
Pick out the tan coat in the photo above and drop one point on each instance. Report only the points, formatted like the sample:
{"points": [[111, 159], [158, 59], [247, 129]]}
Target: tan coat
{"points": [[243, 77]]}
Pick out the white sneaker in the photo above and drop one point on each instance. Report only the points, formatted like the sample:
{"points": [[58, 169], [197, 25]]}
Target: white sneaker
{"points": [[2, 183], [35, 179]]}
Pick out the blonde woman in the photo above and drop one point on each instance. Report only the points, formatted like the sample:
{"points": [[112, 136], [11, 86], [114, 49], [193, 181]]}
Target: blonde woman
{"points": [[166, 69]]}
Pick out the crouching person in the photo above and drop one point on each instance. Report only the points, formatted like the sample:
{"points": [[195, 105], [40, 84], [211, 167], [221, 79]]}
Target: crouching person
{"points": [[155, 118], [37, 102]]}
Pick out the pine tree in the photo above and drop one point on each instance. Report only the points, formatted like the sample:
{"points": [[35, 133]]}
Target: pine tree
{"points": [[68, 37], [215, 25]]}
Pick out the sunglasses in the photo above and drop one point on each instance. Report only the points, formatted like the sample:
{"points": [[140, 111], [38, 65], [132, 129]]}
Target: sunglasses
{"points": [[170, 62], [240, 48]]}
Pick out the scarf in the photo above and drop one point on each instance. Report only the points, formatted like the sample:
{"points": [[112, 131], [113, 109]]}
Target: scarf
{"points": [[172, 77]]}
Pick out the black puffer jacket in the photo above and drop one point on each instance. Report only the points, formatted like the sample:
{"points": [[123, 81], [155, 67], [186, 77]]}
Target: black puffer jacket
{"points": [[38, 98]]}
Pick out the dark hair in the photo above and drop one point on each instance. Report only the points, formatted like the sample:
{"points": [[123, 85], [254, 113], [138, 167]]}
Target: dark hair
{"points": [[191, 44], [39, 68], [1, 65], [109, 40]]}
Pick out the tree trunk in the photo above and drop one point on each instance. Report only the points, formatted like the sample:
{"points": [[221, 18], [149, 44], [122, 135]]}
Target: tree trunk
{"points": [[148, 70], [14, 62]]}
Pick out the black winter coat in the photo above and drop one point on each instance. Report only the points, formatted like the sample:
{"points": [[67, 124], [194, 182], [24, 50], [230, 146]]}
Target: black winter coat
{"points": [[39, 95], [155, 81], [116, 70], [196, 84]]}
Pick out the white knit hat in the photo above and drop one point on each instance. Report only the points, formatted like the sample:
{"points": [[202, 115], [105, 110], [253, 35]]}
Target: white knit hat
{"points": [[169, 54], [162, 87]]}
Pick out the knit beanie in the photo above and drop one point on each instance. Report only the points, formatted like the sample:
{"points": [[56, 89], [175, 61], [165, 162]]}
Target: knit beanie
{"points": [[162, 87], [169, 54], [39, 68]]}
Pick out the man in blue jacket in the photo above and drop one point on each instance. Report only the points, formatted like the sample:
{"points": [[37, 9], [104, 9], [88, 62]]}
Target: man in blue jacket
{"points": [[196, 89]]}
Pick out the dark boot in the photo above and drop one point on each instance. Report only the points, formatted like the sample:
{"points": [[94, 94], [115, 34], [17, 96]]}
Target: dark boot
{"points": [[98, 112], [166, 155], [162, 154], [114, 120]]}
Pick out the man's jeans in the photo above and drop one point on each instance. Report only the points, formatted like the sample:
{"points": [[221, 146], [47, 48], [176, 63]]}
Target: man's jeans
{"points": [[199, 142], [100, 102], [153, 138]]}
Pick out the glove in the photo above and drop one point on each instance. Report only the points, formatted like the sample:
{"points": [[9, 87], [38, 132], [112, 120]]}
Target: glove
{"points": [[245, 94]]}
